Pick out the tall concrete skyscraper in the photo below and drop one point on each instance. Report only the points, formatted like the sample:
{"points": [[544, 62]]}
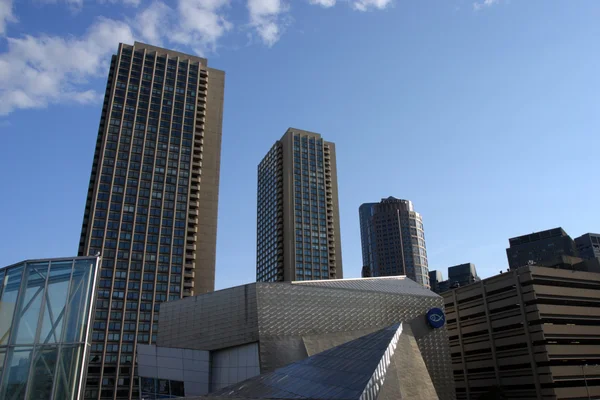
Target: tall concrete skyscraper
{"points": [[393, 240], [298, 222], [151, 209]]}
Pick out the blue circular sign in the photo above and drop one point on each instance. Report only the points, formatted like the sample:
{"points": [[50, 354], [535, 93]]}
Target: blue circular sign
{"points": [[436, 317]]}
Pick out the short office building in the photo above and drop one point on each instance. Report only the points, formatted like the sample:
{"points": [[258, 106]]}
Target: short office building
{"points": [[530, 333], [588, 246], [325, 339], [45, 313], [458, 276], [539, 247]]}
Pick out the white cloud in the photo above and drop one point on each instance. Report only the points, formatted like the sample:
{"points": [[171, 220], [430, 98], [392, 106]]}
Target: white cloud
{"points": [[366, 5], [75, 5], [323, 3], [484, 3], [133, 3], [200, 23], [265, 18], [6, 15], [78, 4], [37, 71], [152, 23]]}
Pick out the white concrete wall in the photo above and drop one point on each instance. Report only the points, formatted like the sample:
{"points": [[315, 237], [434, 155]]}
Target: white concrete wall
{"points": [[233, 365]]}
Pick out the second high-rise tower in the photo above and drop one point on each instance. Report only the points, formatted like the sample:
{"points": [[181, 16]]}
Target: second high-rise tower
{"points": [[298, 223]]}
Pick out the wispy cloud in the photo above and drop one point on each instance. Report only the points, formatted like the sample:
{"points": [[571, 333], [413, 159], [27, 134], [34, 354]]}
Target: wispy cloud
{"points": [[78, 4], [152, 22], [36, 71], [6, 15], [265, 17], [133, 3], [199, 24], [478, 5], [323, 3], [366, 5]]}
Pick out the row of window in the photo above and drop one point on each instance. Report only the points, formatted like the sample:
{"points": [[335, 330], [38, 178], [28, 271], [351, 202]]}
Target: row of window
{"points": [[125, 359], [133, 267], [96, 245], [308, 272], [129, 316], [305, 140]]}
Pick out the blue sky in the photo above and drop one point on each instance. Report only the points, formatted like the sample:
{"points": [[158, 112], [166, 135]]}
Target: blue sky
{"points": [[486, 115]]}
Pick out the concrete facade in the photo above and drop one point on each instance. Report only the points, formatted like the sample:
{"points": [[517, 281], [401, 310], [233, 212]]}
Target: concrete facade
{"points": [[291, 321], [298, 222], [531, 333], [151, 209]]}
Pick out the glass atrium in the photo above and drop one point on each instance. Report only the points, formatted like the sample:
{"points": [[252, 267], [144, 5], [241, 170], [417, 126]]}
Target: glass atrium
{"points": [[45, 310]]}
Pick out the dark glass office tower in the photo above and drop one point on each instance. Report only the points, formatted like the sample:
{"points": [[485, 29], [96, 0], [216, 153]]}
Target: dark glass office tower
{"points": [[435, 279], [393, 240], [540, 248], [298, 223], [151, 209], [588, 246], [462, 275]]}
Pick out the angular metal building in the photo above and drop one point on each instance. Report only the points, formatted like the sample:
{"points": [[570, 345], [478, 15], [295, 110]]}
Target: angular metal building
{"points": [[380, 366], [209, 342]]}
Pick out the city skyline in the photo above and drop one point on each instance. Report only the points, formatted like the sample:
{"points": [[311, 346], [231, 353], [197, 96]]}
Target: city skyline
{"points": [[460, 102]]}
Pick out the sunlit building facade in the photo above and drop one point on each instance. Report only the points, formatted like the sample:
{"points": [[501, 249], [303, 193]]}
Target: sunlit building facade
{"points": [[45, 316], [298, 223], [151, 209]]}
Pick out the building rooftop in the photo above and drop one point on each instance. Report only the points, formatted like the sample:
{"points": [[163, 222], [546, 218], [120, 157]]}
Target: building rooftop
{"points": [[387, 284], [57, 259], [171, 53], [535, 236]]}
